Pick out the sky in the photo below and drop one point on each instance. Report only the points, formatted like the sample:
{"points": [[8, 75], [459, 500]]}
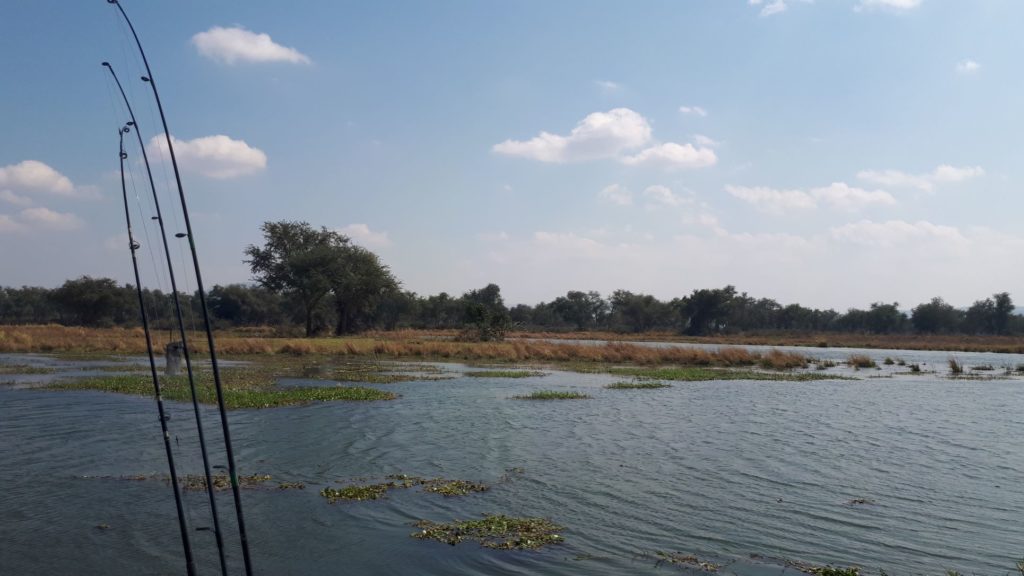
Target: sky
{"points": [[832, 153]]}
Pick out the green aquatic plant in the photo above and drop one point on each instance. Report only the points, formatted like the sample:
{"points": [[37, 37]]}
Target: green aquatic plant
{"points": [[238, 392], [359, 493], [25, 369], [505, 374], [220, 481], [454, 487], [702, 374], [915, 368], [494, 531], [552, 395], [637, 385], [889, 361], [685, 560], [824, 364]]}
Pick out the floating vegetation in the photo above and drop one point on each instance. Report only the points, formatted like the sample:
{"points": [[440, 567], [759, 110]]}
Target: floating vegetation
{"points": [[552, 395], [239, 392], [220, 481], [860, 501], [377, 491], [889, 361], [824, 364], [494, 531], [859, 361], [901, 362], [955, 367], [359, 493], [1020, 368], [984, 368], [505, 374], [638, 385], [455, 487], [291, 485], [915, 368], [701, 374], [24, 369], [686, 560]]}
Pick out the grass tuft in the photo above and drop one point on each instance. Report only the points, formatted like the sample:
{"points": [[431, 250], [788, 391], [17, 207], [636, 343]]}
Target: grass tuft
{"points": [[859, 361], [637, 385], [505, 374], [494, 531]]}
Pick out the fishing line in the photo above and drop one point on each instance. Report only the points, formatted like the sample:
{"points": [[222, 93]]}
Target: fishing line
{"points": [[133, 247], [184, 339], [218, 387]]}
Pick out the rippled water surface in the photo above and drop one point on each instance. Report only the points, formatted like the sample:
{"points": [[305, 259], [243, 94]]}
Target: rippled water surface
{"points": [[720, 469]]}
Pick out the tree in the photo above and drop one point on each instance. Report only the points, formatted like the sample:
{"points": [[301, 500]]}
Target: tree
{"points": [[298, 260], [581, 309], [91, 301], [243, 305], [360, 283], [637, 312], [486, 314], [935, 317], [705, 311]]}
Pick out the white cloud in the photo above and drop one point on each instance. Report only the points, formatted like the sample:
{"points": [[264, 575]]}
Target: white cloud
{"points": [[8, 224], [771, 200], [840, 195], [46, 219], [672, 156], [895, 232], [941, 175], [894, 5], [236, 44], [35, 176], [218, 157], [362, 234], [599, 135], [837, 195], [693, 111], [12, 198], [116, 243], [967, 67], [608, 85], [774, 7], [664, 196], [616, 194], [705, 141]]}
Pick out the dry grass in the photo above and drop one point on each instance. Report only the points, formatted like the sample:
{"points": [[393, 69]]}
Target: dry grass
{"points": [[412, 345]]}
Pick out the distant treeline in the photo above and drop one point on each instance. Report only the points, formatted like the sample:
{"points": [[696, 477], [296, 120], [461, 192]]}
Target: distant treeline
{"points": [[100, 302]]}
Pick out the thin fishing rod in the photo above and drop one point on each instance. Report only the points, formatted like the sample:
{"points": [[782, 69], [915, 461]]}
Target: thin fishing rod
{"points": [[190, 564], [232, 471], [181, 329]]}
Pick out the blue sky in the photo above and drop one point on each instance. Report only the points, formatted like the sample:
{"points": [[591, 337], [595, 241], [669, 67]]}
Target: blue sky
{"points": [[832, 153]]}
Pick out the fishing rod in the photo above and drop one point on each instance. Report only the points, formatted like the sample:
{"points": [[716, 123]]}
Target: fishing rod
{"points": [[181, 329], [232, 471], [190, 564]]}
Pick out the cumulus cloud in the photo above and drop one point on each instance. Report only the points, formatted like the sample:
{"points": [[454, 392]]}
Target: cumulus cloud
{"points": [[895, 232], [693, 111], [599, 135], [362, 234], [943, 174], [35, 176], [673, 156], [8, 224], [837, 195], [12, 198], [664, 196], [894, 5], [608, 85], [774, 7], [967, 67], [705, 141], [616, 194], [236, 44], [46, 219], [218, 157]]}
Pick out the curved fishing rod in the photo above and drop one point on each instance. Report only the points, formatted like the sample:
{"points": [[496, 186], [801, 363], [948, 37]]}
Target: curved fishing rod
{"points": [[190, 564], [181, 330], [232, 471]]}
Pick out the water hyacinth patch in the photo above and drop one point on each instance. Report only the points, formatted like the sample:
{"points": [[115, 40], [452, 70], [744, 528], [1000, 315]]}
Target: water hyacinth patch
{"points": [[495, 531], [442, 486], [638, 385]]}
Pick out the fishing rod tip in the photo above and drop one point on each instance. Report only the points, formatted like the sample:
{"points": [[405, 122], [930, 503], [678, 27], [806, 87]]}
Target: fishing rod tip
{"points": [[145, 79], [107, 64]]}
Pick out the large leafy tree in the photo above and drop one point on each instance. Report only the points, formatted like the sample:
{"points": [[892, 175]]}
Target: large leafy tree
{"points": [[300, 261], [360, 284]]}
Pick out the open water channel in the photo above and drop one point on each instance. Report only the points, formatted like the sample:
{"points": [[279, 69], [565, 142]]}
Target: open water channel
{"points": [[745, 474]]}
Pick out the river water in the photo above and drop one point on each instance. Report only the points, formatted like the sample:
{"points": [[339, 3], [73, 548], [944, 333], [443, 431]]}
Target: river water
{"points": [[723, 470]]}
